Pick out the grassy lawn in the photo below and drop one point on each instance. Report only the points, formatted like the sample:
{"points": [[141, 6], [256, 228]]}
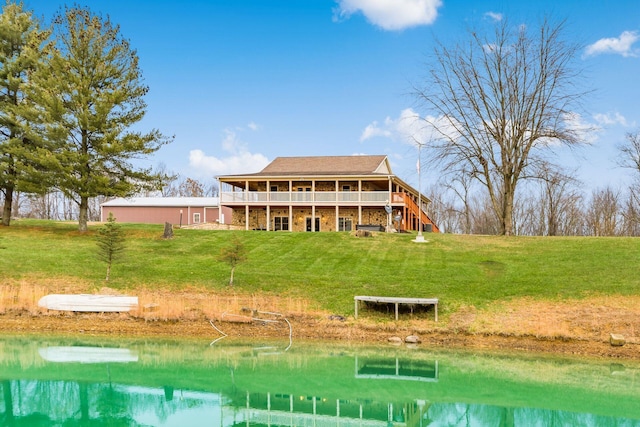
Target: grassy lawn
{"points": [[330, 268]]}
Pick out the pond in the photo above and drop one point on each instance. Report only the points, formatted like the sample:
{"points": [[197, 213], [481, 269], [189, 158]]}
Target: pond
{"points": [[106, 382]]}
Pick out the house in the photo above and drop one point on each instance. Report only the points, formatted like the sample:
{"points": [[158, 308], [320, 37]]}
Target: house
{"points": [[329, 193], [158, 210]]}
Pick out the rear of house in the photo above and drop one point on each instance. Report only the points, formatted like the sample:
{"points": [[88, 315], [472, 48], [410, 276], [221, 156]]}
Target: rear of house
{"points": [[326, 193]]}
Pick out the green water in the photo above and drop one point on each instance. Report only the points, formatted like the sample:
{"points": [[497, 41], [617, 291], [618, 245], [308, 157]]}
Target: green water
{"points": [[101, 382]]}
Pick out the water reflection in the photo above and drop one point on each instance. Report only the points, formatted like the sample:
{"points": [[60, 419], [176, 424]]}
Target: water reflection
{"points": [[48, 382], [396, 369]]}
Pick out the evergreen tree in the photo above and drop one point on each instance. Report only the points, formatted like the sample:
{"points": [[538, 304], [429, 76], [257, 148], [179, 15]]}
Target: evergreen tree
{"points": [[22, 44], [110, 243], [91, 95]]}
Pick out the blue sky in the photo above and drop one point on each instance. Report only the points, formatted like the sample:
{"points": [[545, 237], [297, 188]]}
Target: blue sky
{"points": [[240, 82]]}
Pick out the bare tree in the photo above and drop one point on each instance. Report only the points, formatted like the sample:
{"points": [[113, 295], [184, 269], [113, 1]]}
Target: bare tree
{"points": [[630, 151], [631, 212], [483, 220], [233, 254], [502, 102], [461, 185], [603, 213], [191, 188], [558, 195]]}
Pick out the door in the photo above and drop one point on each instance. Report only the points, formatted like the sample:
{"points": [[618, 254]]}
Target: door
{"points": [[309, 224]]}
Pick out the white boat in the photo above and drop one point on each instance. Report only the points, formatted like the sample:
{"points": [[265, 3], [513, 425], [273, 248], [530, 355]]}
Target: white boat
{"points": [[81, 354], [88, 302]]}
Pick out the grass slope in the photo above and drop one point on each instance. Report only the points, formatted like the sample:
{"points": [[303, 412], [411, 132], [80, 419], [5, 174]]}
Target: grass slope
{"points": [[330, 268]]}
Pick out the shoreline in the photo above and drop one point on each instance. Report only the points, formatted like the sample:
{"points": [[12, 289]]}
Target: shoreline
{"points": [[308, 328]]}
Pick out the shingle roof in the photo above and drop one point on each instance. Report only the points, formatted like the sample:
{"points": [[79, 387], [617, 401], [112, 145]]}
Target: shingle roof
{"points": [[326, 165]]}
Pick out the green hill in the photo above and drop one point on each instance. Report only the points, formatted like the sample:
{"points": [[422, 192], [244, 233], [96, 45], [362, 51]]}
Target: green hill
{"points": [[330, 268]]}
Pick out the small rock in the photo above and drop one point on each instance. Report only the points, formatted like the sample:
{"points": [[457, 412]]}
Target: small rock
{"points": [[395, 340], [337, 317], [616, 340], [412, 339]]}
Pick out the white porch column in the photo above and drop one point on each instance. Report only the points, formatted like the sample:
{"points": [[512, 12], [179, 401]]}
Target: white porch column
{"points": [[246, 207], [290, 218], [268, 217], [359, 201], [337, 219], [313, 205]]}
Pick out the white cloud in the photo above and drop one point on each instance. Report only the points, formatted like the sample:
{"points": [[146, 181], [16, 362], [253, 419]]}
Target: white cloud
{"points": [[494, 16], [239, 159], [410, 128], [374, 130], [391, 15], [586, 132], [253, 126], [622, 45], [610, 119]]}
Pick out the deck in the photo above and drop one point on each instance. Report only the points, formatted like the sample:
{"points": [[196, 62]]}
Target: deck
{"points": [[397, 301]]}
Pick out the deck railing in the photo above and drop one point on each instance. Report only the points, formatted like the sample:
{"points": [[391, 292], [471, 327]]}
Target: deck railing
{"points": [[312, 197]]}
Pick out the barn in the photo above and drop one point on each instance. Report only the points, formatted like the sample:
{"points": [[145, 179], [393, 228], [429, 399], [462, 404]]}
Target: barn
{"points": [[158, 210]]}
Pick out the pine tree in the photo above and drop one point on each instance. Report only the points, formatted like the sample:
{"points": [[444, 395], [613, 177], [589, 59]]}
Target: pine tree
{"points": [[111, 243], [91, 96], [22, 46]]}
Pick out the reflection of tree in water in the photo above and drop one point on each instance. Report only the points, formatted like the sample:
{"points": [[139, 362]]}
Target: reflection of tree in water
{"points": [[111, 405]]}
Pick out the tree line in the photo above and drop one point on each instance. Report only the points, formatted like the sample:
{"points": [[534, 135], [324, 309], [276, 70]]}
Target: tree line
{"points": [[554, 204], [55, 205], [70, 94]]}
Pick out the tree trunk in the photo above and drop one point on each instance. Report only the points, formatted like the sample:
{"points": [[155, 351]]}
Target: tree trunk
{"points": [[82, 218], [231, 279], [8, 203], [507, 211], [108, 272]]}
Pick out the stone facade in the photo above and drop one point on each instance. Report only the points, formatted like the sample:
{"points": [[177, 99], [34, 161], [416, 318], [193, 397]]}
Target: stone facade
{"points": [[301, 218]]}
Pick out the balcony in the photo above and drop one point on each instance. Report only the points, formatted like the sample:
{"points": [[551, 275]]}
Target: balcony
{"points": [[317, 198]]}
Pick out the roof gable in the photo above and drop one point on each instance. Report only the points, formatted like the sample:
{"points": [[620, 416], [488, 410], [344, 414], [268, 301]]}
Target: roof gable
{"points": [[328, 165]]}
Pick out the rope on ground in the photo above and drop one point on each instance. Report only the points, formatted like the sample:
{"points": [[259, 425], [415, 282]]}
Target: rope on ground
{"points": [[219, 338]]}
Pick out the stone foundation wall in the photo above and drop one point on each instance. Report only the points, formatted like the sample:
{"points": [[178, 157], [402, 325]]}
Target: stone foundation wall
{"points": [[326, 216]]}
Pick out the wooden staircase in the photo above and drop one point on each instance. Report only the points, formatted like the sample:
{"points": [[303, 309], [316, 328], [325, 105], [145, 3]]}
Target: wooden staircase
{"points": [[412, 210]]}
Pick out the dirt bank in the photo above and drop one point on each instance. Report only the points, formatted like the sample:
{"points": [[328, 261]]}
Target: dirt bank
{"points": [[578, 326], [305, 327]]}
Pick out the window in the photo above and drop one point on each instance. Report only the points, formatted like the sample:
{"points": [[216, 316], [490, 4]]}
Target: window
{"points": [[346, 188], [281, 223], [344, 224], [274, 188], [196, 218]]}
